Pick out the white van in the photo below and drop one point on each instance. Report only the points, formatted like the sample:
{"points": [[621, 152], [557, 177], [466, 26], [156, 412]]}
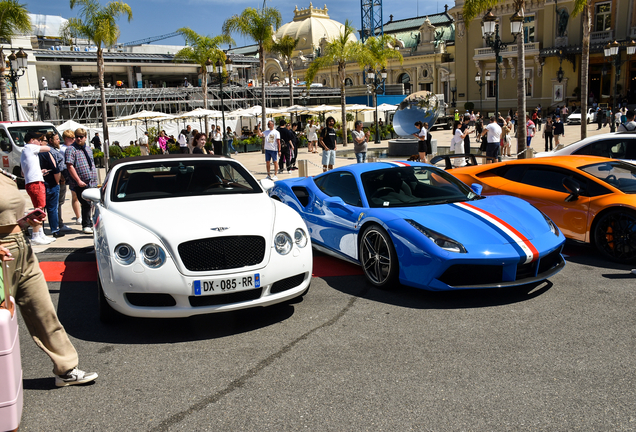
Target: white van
{"points": [[12, 142]]}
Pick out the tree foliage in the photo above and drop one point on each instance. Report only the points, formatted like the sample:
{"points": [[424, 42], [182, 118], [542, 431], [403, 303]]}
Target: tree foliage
{"points": [[259, 25], [99, 25], [340, 51]]}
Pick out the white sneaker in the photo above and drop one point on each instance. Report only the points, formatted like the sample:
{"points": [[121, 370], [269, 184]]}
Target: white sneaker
{"points": [[73, 377], [288, 171], [45, 237], [37, 240], [79, 220], [66, 228], [87, 230], [274, 178]]}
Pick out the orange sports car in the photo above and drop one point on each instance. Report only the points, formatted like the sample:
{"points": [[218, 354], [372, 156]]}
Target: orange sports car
{"points": [[591, 199]]}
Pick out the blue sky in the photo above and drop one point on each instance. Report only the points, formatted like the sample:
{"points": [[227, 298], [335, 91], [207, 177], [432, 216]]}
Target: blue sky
{"points": [[158, 17]]}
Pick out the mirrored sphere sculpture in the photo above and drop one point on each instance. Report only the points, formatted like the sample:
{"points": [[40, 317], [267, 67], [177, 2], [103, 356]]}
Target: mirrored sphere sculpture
{"points": [[423, 106]]}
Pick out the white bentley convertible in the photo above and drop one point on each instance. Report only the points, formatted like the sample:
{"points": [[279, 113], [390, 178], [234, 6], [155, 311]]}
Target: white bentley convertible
{"points": [[181, 235]]}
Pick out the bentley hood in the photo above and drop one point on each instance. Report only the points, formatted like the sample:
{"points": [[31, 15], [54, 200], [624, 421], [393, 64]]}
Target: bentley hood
{"points": [[177, 220]]}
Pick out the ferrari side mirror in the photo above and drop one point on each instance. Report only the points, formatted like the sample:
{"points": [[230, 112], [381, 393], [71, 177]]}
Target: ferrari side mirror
{"points": [[477, 188]]}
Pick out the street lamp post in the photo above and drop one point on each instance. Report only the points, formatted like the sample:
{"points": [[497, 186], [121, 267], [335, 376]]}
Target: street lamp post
{"points": [[490, 32], [480, 83], [219, 70], [376, 80], [612, 51], [454, 101], [17, 68]]}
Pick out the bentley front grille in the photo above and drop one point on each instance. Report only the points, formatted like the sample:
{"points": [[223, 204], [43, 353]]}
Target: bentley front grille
{"points": [[221, 253]]}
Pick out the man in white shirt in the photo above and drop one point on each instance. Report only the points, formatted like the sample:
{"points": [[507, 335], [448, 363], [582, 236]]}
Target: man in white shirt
{"points": [[493, 132], [34, 180], [271, 143], [630, 125], [143, 144]]}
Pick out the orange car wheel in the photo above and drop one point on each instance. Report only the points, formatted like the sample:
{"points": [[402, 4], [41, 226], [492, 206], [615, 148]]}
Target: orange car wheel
{"points": [[615, 235]]}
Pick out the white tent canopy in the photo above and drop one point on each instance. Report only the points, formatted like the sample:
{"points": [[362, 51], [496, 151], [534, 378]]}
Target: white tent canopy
{"points": [[387, 107]]}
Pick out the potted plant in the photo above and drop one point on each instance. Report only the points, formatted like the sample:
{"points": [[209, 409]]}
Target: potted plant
{"points": [[131, 151], [98, 157], [114, 153], [174, 149], [253, 144]]}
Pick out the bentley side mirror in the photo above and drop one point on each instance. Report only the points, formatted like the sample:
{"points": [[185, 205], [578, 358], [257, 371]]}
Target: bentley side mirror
{"points": [[573, 187]]}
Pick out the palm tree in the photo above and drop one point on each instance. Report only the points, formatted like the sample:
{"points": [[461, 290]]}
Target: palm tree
{"points": [[285, 47], [471, 9], [202, 49], [341, 50], [14, 19], [99, 25], [584, 6], [259, 25], [378, 54]]}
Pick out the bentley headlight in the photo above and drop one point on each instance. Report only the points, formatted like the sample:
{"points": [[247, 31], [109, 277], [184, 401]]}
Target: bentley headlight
{"points": [[283, 243], [446, 243], [124, 254], [300, 238], [153, 255]]}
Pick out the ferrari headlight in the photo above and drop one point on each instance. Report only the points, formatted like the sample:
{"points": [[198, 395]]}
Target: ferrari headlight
{"points": [[446, 243], [551, 224], [283, 243], [153, 255], [300, 238], [124, 254]]}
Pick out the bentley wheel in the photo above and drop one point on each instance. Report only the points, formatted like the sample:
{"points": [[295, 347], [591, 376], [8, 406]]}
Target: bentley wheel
{"points": [[377, 256], [106, 313], [615, 236]]}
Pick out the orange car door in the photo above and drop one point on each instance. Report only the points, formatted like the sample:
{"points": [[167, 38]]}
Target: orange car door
{"points": [[543, 187]]}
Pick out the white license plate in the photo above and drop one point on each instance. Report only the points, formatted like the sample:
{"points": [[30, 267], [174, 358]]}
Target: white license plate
{"points": [[223, 285]]}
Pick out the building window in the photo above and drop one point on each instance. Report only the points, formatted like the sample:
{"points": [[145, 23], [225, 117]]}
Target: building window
{"points": [[602, 16], [529, 83], [491, 88], [406, 80], [528, 29], [348, 82]]}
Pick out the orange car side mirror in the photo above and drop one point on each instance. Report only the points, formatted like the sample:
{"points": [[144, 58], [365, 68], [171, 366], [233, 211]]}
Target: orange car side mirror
{"points": [[573, 187]]}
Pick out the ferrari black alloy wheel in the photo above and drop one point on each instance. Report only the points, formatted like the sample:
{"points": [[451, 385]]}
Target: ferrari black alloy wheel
{"points": [[615, 235], [378, 257]]}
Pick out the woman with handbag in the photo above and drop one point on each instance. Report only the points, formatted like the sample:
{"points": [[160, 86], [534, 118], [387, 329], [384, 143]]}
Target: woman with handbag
{"points": [[421, 143]]}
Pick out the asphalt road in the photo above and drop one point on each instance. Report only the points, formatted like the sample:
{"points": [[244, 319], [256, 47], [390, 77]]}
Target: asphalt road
{"points": [[349, 357]]}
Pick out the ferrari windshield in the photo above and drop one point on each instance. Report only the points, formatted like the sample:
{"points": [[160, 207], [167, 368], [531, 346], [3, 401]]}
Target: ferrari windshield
{"points": [[621, 175], [178, 178], [413, 186]]}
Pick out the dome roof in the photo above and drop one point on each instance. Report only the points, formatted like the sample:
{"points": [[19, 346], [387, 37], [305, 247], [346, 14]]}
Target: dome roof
{"points": [[310, 26]]}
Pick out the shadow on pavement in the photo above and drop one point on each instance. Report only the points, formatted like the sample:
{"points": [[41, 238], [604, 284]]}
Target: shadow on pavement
{"points": [[415, 298], [78, 312]]}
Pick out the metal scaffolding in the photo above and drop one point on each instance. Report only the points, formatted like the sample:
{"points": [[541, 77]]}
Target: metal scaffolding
{"points": [[85, 106]]}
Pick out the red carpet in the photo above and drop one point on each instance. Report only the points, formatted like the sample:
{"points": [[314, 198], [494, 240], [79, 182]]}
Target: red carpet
{"points": [[60, 271]]}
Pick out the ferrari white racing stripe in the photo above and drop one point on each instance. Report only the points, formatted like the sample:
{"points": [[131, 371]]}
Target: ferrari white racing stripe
{"points": [[531, 253]]}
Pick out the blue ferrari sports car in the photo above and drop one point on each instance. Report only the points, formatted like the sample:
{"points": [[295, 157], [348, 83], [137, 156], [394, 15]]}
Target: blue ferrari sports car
{"points": [[418, 224]]}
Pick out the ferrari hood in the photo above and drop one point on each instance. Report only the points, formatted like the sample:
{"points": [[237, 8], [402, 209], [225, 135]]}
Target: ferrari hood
{"points": [[175, 220], [492, 220]]}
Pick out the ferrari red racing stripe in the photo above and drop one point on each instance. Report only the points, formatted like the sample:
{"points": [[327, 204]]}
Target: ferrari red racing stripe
{"points": [[398, 163], [532, 254]]}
